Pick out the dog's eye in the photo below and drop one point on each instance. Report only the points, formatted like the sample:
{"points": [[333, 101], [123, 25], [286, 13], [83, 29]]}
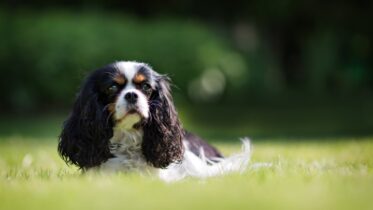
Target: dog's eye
{"points": [[146, 87], [113, 89]]}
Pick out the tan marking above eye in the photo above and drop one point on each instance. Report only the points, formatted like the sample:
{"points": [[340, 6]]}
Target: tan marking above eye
{"points": [[119, 79], [139, 78]]}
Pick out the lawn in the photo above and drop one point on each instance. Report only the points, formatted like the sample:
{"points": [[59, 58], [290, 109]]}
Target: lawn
{"points": [[330, 169], [312, 174]]}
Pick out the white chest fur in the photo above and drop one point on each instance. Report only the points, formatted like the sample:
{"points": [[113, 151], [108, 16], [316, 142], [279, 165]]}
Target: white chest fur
{"points": [[126, 147]]}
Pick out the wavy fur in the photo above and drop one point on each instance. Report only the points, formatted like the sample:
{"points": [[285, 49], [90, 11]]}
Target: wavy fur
{"points": [[84, 140], [163, 134]]}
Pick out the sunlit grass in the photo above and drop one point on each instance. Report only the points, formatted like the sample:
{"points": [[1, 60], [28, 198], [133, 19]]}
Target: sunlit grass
{"points": [[316, 174]]}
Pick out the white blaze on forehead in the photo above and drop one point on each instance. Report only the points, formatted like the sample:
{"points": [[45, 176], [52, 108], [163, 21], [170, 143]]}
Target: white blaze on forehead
{"points": [[128, 68]]}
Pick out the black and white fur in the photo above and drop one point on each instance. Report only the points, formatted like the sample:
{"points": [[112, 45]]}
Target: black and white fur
{"points": [[124, 119]]}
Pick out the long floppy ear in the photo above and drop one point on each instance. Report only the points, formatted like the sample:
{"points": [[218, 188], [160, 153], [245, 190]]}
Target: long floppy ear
{"points": [[162, 140], [84, 140]]}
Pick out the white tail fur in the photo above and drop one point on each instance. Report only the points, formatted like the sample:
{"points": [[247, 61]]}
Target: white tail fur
{"points": [[200, 167]]}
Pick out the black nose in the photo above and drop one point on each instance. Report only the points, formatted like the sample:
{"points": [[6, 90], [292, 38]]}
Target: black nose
{"points": [[131, 97]]}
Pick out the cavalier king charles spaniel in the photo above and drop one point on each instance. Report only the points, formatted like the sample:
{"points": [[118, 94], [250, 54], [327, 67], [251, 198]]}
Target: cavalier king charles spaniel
{"points": [[124, 119]]}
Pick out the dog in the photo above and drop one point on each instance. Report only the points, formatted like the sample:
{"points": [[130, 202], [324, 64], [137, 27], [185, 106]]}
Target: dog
{"points": [[124, 120]]}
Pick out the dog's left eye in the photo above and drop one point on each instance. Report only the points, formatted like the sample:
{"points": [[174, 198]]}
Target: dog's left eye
{"points": [[146, 87]]}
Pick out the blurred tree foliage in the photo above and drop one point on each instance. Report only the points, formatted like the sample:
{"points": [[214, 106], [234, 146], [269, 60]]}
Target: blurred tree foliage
{"points": [[229, 49], [47, 55]]}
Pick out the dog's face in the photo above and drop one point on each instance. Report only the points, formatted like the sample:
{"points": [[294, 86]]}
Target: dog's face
{"points": [[127, 89], [124, 96]]}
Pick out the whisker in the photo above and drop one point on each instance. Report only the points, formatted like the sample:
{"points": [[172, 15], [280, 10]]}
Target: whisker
{"points": [[108, 117], [110, 113], [105, 107]]}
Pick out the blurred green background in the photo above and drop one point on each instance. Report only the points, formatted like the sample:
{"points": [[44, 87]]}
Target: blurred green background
{"points": [[280, 68], [294, 76]]}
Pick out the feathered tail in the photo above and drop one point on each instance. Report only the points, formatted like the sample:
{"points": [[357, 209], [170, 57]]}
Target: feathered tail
{"points": [[201, 167]]}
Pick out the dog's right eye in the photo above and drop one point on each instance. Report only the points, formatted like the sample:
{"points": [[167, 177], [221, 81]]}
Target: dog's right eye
{"points": [[113, 89]]}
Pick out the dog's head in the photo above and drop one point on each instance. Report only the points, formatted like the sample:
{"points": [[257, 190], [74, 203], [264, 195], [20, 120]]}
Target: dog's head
{"points": [[125, 96]]}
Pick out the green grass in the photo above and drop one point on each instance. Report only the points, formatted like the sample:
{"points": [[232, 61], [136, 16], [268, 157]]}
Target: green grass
{"points": [[315, 174], [321, 156]]}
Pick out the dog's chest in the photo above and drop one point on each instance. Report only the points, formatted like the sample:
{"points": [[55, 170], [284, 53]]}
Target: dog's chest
{"points": [[126, 147]]}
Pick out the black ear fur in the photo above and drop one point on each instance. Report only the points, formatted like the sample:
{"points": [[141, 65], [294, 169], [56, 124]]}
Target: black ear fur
{"points": [[84, 140], [162, 140]]}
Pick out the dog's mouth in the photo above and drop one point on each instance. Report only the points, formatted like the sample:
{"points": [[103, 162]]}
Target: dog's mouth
{"points": [[130, 115], [133, 111], [131, 120]]}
